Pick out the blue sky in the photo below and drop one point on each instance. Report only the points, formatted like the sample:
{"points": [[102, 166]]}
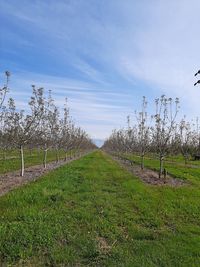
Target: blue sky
{"points": [[102, 55]]}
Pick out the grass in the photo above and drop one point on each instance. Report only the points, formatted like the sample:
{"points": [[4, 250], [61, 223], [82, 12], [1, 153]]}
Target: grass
{"points": [[92, 212], [182, 171], [34, 157], [173, 159]]}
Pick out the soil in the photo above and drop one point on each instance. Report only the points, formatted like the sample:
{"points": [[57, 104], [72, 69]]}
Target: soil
{"points": [[103, 245], [12, 180], [149, 176]]}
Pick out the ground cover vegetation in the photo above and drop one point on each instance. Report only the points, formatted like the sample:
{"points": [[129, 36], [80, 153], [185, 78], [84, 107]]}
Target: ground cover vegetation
{"points": [[93, 212]]}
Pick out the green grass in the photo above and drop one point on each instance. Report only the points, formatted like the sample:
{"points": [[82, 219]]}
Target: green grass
{"points": [[172, 159], [12, 163], [66, 217], [192, 174]]}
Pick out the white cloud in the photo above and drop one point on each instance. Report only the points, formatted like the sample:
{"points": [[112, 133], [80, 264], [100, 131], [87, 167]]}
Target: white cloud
{"points": [[168, 51], [97, 111], [121, 49]]}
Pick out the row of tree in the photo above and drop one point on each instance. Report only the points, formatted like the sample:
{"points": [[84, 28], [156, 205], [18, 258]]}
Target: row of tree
{"points": [[160, 133], [41, 125]]}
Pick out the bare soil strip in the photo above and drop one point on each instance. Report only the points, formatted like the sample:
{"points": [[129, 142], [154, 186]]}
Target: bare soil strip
{"points": [[147, 175], [13, 180]]}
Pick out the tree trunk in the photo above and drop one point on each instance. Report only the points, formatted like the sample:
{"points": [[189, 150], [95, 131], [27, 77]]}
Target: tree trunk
{"points": [[186, 159], [199, 147], [45, 159], [38, 152], [57, 155], [66, 156], [4, 155], [161, 166], [142, 161], [22, 160]]}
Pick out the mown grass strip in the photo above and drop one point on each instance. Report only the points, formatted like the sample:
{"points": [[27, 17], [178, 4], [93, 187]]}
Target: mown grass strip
{"points": [[94, 213]]}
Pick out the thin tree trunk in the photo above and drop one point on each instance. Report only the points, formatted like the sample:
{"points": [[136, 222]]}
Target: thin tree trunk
{"points": [[38, 152], [186, 159], [57, 155], [45, 159], [4, 155], [22, 160], [66, 156], [161, 167], [142, 161]]}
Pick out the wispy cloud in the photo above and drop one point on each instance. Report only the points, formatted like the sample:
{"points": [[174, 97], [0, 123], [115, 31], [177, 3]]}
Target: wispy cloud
{"points": [[91, 108], [104, 55]]}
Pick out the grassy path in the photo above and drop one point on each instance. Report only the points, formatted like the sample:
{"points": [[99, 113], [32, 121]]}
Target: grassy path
{"points": [[94, 213]]}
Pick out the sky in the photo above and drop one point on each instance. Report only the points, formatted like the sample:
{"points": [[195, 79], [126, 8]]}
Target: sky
{"points": [[103, 55]]}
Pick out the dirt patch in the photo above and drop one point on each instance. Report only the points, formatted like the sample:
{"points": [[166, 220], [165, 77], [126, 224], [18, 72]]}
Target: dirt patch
{"points": [[149, 176], [103, 245], [12, 180]]}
